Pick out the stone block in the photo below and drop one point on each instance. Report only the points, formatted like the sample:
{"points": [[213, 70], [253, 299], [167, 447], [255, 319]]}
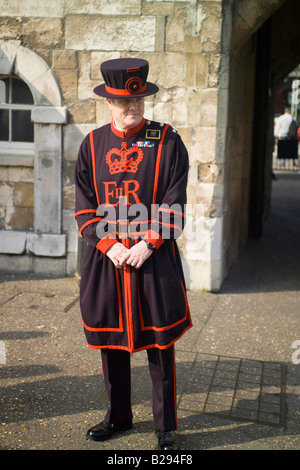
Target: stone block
{"points": [[13, 263], [73, 136], [160, 8], [3, 171], [211, 28], [203, 145], [47, 203], [64, 59], [45, 90], [160, 34], [47, 265], [192, 44], [193, 98], [196, 70], [179, 107], [69, 223], [20, 174], [8, 53], [68, 81], [29, 8], [167, 69], [204, 242], [209, 107], [12, 242], [175, 31], [53, 245], [185, 134], [162, 112], [71, 263], [85, 83], [49, 114], [21, 218], [42, 33], [10, 27], [117, 33], [23, 194], [6, 203], [24, 68], [24, 159], [69, 197], [210, 173], [103, 7], [193, 173], [82, 112], [214, 67]]}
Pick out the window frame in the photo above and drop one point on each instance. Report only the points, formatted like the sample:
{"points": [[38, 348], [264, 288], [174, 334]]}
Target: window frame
{"points": [[9, 147]]}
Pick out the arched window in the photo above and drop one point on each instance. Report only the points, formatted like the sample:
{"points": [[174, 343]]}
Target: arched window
{"points": [[31, 120], [16, 103]]}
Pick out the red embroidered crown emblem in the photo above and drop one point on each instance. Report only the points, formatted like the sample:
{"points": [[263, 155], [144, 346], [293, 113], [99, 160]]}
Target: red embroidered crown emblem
{"points": [[124, 160]]}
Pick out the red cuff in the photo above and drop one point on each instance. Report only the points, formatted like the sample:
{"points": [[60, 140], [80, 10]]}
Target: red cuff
{"points": [[104, 244], [154, 238]]}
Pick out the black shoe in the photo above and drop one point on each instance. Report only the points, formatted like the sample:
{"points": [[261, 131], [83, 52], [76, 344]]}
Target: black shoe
{"points": [[103, 430], [166, 440]]}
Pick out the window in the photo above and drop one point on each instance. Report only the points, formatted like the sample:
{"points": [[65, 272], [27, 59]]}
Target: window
{"points": [[16, 128]]}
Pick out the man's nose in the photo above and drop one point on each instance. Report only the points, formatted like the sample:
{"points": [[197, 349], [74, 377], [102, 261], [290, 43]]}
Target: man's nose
{"points": [[134, 102]]}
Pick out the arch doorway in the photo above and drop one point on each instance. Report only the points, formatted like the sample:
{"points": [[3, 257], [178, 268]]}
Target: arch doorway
{"points": [[265, 48]]}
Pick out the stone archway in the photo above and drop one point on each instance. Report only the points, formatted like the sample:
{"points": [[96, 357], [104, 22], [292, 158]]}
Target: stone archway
{"points": [[48, 116], [248, 16]]}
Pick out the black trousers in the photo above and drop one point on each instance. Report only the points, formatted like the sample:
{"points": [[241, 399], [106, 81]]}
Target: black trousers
{"points": [[117, 377]]}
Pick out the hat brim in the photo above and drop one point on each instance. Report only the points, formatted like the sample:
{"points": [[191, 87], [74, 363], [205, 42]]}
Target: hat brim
{"points": [[151, 89]]}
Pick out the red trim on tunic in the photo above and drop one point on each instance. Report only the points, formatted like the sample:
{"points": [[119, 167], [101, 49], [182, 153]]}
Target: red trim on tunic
{"points": [[129, 132], [142, 348], [128, 303], [105, 243], [163, 328], [89, 222], [160, 146], [94, 165], [120, 328], [154, 238], [171, 211], [85, 211]]}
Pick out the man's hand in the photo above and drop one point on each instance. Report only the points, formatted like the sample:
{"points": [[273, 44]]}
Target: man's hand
{"points": [[136, 255], [116, 252]]}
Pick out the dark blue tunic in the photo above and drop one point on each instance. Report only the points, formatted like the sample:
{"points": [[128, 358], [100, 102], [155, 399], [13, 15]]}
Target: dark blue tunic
{"points": [[130, 186]]}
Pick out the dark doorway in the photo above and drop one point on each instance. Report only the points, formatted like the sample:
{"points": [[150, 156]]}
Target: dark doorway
{"points": [[277, 45]]}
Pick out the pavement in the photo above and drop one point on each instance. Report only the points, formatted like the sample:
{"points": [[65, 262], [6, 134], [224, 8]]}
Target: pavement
{"points": [[238, 368]]}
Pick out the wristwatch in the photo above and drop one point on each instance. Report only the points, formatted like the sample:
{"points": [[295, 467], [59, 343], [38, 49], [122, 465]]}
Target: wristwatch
{"points": [[149, 245]]}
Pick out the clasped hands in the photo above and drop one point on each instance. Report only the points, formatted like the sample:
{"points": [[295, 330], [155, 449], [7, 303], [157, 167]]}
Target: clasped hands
{"points": [[135, 256]]}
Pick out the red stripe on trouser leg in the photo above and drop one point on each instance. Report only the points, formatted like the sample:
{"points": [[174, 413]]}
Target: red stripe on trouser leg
{"points": [[163, 375], [117, 377]]}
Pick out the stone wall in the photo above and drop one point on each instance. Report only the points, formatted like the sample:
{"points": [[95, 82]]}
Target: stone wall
{"points": [[201, 57], [16, 196], [182, 42]]}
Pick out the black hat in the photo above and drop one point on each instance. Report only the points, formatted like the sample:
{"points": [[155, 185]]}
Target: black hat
{"points": [[125, 78]]}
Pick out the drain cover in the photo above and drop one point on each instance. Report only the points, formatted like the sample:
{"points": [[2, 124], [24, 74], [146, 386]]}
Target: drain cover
{"points": [[235, 388]]}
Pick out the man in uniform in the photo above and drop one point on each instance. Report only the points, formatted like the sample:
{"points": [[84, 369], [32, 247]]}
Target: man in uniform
{"points": [[130, 179]]}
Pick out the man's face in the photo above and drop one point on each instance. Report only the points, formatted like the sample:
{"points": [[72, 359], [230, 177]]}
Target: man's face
{"points": [[126, 112]]}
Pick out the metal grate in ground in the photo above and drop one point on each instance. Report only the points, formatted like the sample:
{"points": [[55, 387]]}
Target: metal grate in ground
{"points": [[235, 388]]}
